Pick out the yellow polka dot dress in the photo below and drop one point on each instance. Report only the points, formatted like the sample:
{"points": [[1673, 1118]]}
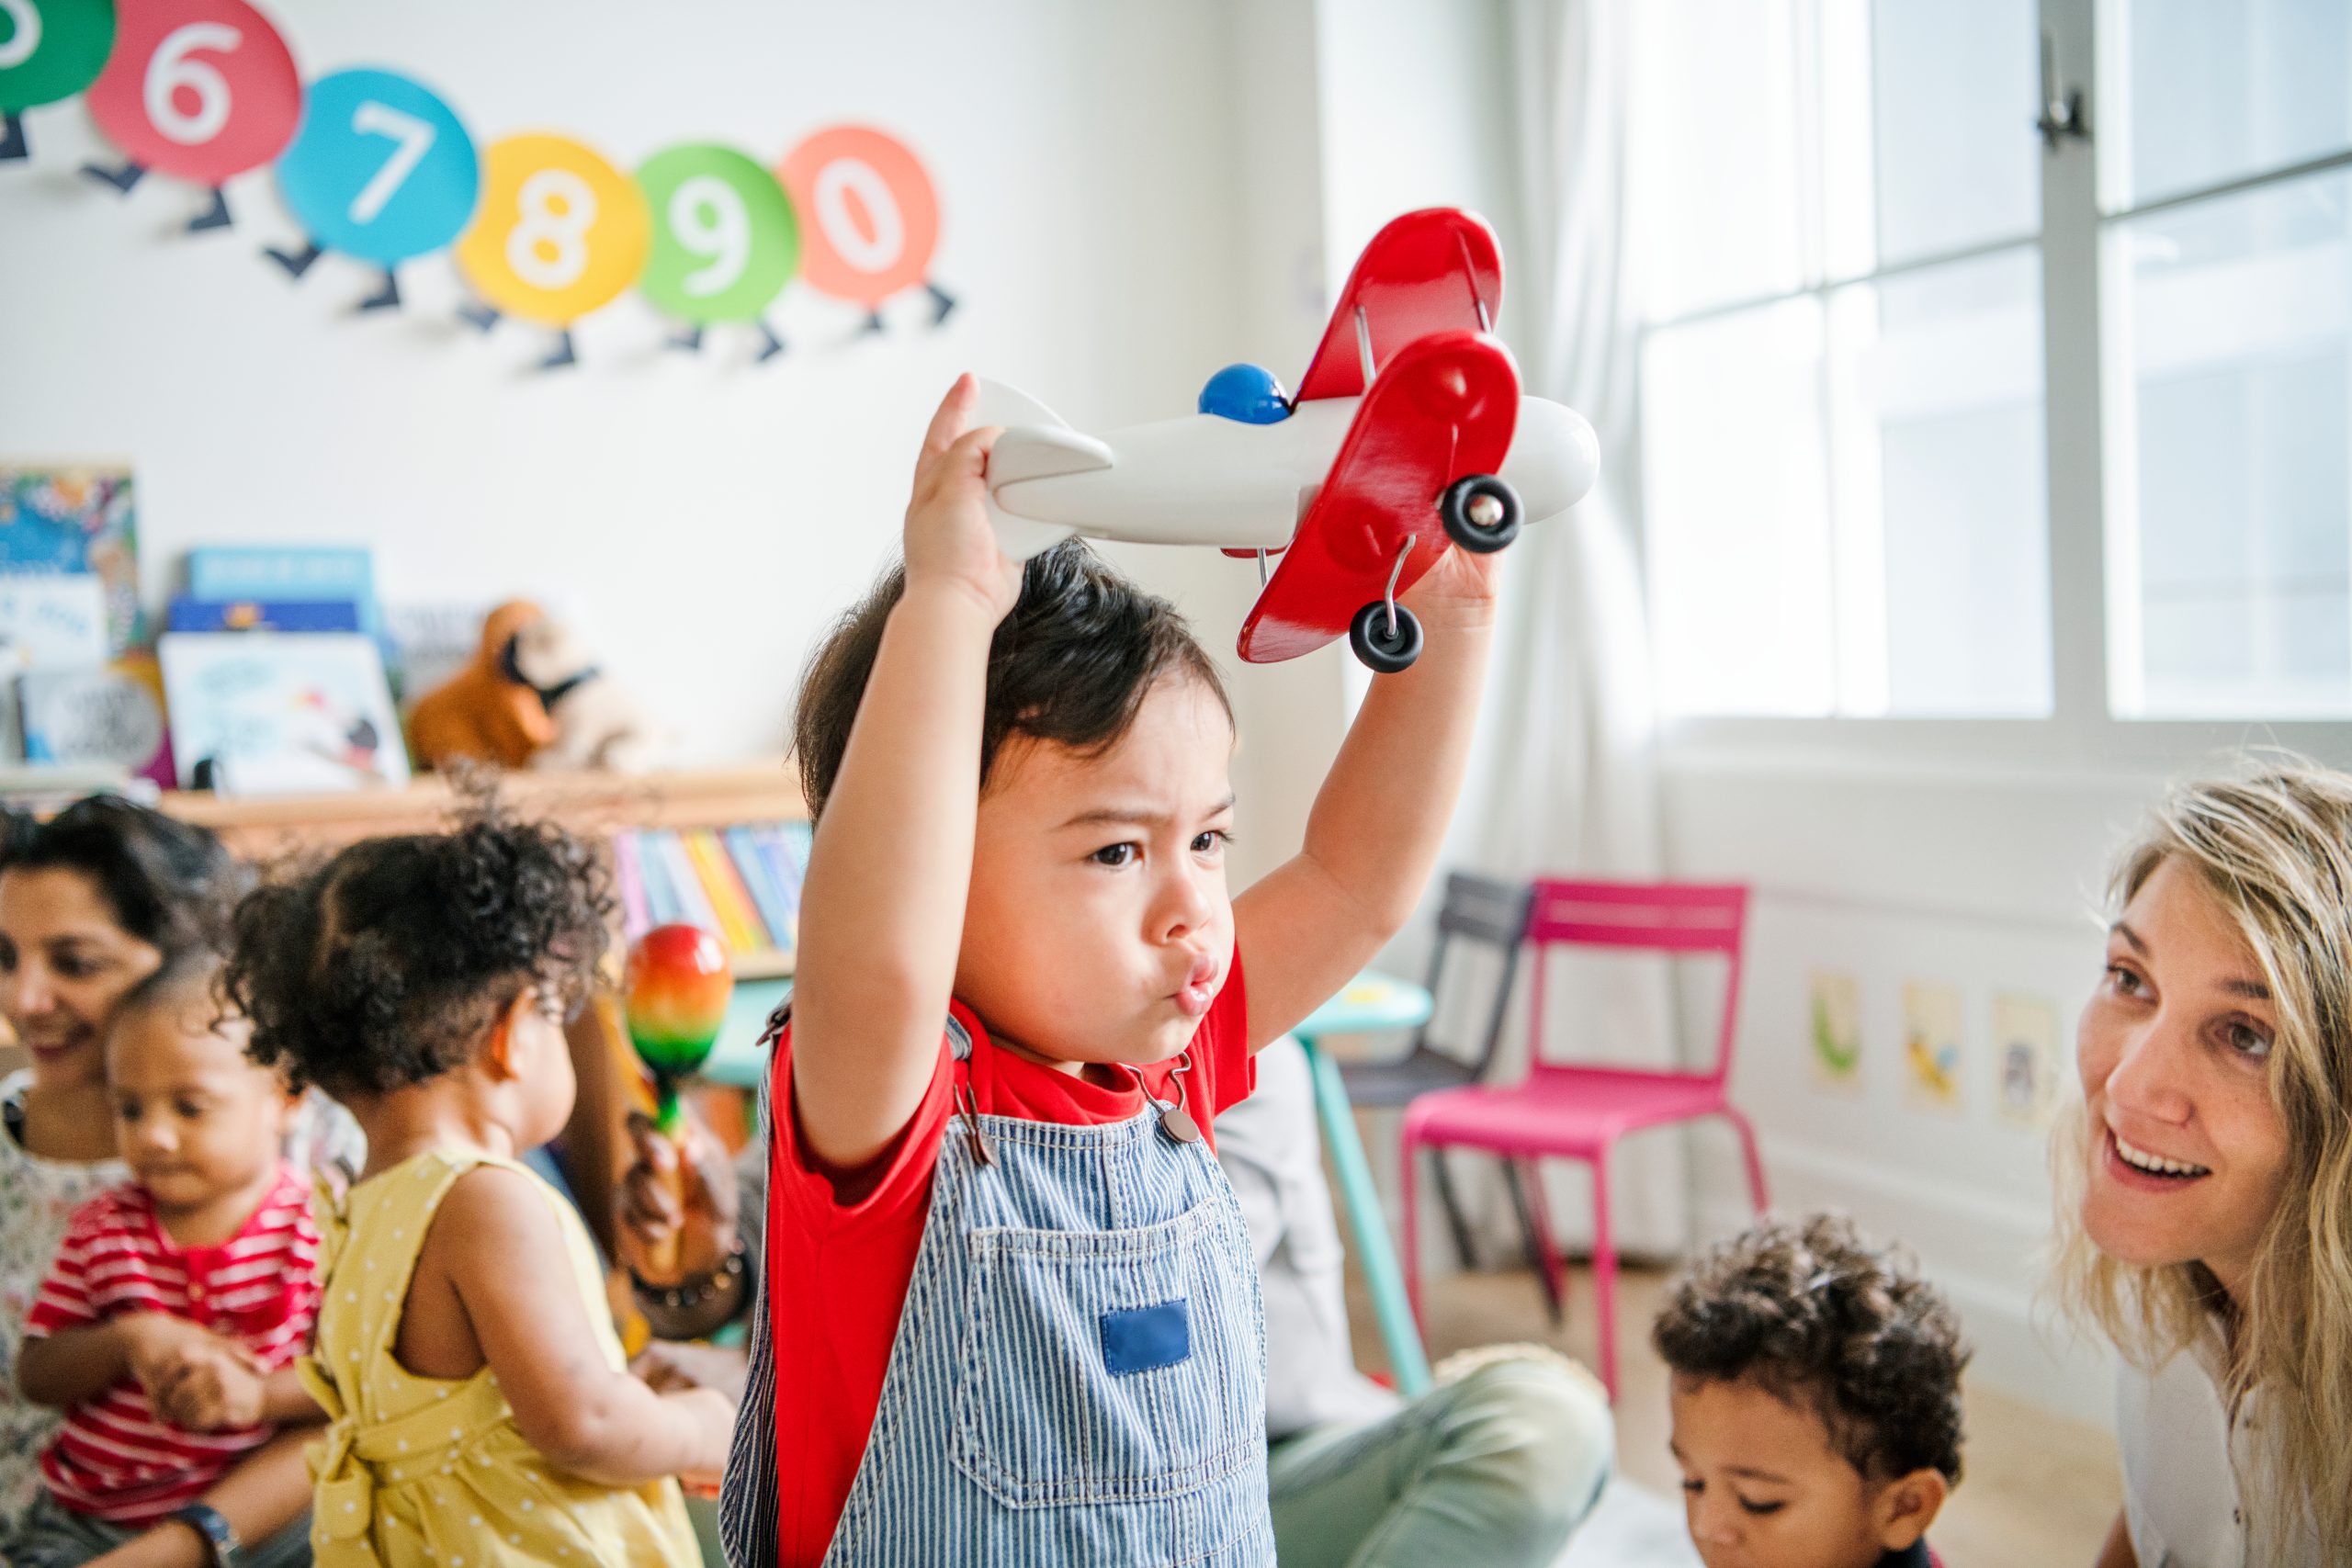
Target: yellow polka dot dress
{"points": [[422, 1470]]}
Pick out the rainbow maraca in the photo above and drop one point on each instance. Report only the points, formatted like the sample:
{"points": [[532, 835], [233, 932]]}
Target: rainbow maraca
{"points": [[675, 999]]}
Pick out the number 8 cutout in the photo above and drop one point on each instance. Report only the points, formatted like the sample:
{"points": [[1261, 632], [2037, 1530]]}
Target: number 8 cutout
{"points": [[49, 50], [725, 240], [869, 218], [559, 232], [199, 89], [382, 171]]}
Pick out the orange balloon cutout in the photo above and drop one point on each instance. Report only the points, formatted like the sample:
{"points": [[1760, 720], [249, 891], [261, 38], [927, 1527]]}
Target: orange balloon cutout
{"points": [[869, 218]]}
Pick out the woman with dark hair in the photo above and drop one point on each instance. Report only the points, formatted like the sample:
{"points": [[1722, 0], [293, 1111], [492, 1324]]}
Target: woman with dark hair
{"points": [[92, 902]]}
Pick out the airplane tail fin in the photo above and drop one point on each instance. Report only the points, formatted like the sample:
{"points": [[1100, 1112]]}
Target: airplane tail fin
{"points": [[1035, 444]]}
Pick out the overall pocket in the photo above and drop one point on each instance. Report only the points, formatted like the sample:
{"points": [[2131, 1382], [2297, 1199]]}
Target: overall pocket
{"points": [[1107, 1366]]}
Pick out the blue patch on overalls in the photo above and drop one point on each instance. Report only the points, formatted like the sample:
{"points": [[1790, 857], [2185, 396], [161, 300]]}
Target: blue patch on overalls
{"points": [[1144, 1339]]}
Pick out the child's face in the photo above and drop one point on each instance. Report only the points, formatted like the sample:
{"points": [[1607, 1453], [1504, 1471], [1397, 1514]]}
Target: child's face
{"points": [[65, 965], [194, 1119], [1764, 1487], [539, 1053], [1099, 927]]}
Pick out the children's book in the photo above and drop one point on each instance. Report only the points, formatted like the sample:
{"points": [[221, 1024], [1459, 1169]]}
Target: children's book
{"points": [[55, 620], [630, 882], [694, 904], [277, 713], [100, 714], [191, 614], [777, 912], [739, 919], [72, 519]]}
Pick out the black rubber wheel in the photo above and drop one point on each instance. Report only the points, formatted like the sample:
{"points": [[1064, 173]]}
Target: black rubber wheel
{"points": [[1481, 514], [1379, 652]]}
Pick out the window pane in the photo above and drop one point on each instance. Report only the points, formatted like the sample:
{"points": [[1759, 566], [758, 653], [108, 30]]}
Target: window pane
{"points": [[1712, 187], [1734, 490], [2214, 89], [1953, 84], [2231, 532], [1942, 475]]}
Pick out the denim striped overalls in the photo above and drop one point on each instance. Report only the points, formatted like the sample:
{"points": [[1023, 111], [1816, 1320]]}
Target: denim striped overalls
{"points": [[1080, 1371]]}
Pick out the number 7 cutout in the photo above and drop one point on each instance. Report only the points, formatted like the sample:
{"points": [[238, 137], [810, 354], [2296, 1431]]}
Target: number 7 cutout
{"points": [[49, 50], [202, 90], [869, 218], [381, 171], [726, 241], [559, 232]]}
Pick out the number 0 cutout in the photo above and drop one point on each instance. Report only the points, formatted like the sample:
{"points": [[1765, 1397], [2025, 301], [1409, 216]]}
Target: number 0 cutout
{"points": [[559, 231], [202, 89], [869, 218], [51, 49], [382, 168]]}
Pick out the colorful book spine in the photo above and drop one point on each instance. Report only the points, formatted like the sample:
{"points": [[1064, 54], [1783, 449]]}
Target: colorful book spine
{"points": [[661, 906], [729, 899], [776, 913], [636, 918], [694, 904], [785, 862]]}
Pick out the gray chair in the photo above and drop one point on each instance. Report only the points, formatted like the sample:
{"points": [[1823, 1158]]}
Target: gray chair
{"points": [[1476, 909]]}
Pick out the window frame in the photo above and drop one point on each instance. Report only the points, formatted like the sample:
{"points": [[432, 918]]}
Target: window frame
{"points": [[2081, 297]]}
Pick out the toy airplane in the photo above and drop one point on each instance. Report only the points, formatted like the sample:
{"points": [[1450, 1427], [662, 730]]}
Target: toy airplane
{"points": [[1409, 431]]}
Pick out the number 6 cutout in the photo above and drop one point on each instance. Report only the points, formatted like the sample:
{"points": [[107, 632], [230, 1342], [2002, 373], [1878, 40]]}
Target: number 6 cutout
{"points": [[383, 170], [199, 89], [559, 232], [48, 50], [725, 240], [869, 218]]}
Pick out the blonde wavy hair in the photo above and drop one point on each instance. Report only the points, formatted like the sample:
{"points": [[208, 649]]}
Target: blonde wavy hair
{"points": [[2274, 847]]}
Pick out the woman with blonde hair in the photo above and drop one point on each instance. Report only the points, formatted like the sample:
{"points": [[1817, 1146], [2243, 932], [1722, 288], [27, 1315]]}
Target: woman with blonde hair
{"points": [[2205, 1223]]}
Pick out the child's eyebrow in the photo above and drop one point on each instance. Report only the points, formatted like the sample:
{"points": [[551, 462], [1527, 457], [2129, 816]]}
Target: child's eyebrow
{"points": [[1134, 815], [1753, 1475]]}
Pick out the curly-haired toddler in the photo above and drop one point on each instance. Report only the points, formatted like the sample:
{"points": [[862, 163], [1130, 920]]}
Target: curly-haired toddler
{"points": [[480, 1409], [1816, 1400]]}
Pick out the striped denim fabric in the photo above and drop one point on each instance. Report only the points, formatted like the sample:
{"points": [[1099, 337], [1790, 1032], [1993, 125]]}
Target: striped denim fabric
{"points": [[1004, 1435]]}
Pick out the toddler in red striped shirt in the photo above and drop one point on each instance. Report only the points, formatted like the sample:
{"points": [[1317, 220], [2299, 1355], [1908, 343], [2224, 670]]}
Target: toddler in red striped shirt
{"points": [[170, 1321]]}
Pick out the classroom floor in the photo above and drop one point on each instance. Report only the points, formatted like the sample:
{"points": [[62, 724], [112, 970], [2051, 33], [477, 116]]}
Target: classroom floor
{"points": [[2037, 1488]]}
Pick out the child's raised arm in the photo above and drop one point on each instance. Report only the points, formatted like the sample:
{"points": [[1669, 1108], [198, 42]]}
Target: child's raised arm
{"points": [[500, 1246], [1373, 839], [883, 901]]}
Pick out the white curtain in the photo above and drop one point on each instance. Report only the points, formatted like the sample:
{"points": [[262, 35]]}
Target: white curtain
{"points": [[1565, 780]]}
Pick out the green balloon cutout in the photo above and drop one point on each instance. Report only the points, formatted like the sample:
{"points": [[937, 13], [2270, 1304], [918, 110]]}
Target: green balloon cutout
{"points": [[725, 238], [51, 49]]}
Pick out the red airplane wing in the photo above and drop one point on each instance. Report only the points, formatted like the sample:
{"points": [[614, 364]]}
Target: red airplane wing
{"points": [[1443, 408], [1433, 271]]}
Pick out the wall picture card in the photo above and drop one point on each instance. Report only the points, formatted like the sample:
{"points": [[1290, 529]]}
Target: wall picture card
{"points": [[381, 169], [198, 89], [1834, 1008], [726, 240], [1933, 1043], [73, 518], [559, 232], [2029, 1064]]}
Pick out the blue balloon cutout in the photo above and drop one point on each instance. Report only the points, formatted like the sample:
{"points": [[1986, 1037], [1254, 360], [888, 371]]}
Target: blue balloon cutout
{"points": [[381, 168], [1249, 393]]}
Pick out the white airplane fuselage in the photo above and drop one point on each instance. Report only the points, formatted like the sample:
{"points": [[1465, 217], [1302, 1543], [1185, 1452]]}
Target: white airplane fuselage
{"points": [[1204, 480]]}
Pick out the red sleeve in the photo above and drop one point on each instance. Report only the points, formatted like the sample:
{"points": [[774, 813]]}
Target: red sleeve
{"points": [[64, 1299], [1222, 1044], [820, 1198]]}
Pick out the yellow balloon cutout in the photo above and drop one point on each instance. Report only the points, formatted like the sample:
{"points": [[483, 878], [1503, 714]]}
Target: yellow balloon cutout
{"points": [[559, 231]]}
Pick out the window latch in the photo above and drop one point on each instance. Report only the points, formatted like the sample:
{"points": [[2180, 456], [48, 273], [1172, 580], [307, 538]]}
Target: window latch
{"points": [[2062, 109]]}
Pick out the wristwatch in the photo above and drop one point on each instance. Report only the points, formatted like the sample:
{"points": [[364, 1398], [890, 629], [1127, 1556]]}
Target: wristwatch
{"points": [[220, 1539]]}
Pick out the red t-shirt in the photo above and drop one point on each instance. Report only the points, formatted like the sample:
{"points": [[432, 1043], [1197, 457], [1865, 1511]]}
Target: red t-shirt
{"points": [[848, 1264]]}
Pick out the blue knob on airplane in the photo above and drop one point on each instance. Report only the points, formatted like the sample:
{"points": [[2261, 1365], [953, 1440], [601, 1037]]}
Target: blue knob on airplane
{"points": [[1250, 393]]}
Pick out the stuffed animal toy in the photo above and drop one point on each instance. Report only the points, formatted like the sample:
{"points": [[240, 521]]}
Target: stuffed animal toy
{"points": [[598, 725], [484, 713]]}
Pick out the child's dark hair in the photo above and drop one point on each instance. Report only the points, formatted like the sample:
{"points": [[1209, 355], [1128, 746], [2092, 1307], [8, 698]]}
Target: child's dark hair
{"points": [[170, 883], [1071, 664], [187, 983], [1815, 1316], [386, 965]]}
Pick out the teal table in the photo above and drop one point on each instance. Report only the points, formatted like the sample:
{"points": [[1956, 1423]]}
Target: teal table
{"points": [[1370, 1004]]}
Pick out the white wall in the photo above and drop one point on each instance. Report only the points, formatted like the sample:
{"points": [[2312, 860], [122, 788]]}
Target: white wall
{"points": [[702, 517]]}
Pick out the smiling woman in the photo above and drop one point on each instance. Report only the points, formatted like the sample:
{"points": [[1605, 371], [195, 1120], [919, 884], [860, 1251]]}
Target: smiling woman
{"points": [[2200, 1223]]}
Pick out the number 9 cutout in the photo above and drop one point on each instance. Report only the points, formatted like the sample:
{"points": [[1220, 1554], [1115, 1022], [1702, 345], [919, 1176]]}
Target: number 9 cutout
{"points": [[725, 240], [559, 232], [49, 50], [198, 89], [382, 171], [869, 218]]}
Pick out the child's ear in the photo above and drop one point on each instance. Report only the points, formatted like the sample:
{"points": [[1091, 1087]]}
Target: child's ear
{"points": [[1906, 1505], [504, 1042]]}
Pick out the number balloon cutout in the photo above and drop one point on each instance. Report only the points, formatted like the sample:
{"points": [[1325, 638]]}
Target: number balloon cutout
{"points": [[869, 217], [48, 50], [199, 89], [725, 240], [559, 232], [383, 170]]}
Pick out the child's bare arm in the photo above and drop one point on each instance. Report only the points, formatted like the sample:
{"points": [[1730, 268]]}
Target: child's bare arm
{"points": [[1372, 838], [265, 1492], [883, 901], [514, 1282], [74, 1365]]}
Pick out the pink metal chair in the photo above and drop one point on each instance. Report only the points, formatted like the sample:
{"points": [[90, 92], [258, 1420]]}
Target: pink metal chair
{"points": [[1564, 1112]]}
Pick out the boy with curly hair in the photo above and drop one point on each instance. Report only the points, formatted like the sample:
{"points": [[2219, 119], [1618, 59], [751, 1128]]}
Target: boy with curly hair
{"points": [[1816, 1399]]}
